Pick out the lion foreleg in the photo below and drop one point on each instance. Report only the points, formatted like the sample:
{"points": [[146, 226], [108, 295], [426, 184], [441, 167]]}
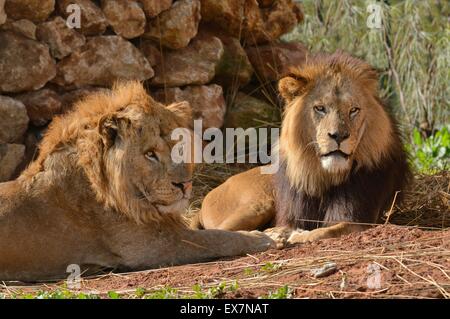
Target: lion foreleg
{"points": [[201, 245], [334, 231]]}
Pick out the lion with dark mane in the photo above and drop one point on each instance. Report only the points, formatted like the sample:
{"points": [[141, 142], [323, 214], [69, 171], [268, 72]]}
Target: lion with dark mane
{"points": [[105, 192], [341, 158]]}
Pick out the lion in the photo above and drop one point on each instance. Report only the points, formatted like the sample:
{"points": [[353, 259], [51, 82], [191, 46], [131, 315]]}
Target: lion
{"points": [[104, 192], [341, 158]]}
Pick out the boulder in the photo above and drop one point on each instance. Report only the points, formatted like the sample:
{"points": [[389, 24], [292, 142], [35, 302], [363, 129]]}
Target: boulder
{"points": [[252, 21], [11, 155], [151, 52], [93, 21], [273, 61], [23, 26], [207, 102], [32, 139], [2, 12], [234, 68], [175, 27], [195, 64], [69, 99], [13, 120], [247, 111], [265, 3], [34, 10], [25, 64], [125, 17], [102, 61], [61, 39], [41, 105], [154, 7]]}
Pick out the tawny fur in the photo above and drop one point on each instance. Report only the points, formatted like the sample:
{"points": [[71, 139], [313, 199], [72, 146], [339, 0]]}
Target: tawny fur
{"points": [[329, 93], [104, 192]]}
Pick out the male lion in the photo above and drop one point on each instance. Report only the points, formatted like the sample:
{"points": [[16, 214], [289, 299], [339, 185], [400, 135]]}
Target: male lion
{"points": [[341, 158], [105, 192]]}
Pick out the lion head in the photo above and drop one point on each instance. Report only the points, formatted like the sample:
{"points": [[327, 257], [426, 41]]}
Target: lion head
{"points": [[121, 142], [334, 122]]}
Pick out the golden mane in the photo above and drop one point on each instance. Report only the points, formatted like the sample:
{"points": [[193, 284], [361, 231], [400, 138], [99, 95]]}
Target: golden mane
{"points": [[86, 114], [379, 137], [74, 143]]}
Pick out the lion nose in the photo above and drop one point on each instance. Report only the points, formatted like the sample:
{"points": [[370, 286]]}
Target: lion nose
{"points": [[339, 137], [184, 186]]}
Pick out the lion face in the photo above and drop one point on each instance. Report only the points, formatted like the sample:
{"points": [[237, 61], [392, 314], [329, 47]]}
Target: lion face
{"points": [[122, 145], [337, 115], [333, 123], [138, 158], [141, 147]]}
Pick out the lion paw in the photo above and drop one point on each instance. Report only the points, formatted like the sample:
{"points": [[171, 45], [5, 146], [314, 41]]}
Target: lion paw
{"points": [[298, 236], [301, 236], [259, 241], [279, 235]]}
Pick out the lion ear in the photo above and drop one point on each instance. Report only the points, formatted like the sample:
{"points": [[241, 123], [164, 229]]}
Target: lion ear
{"points": [[182, 109], [292, 86], [108, 128]]}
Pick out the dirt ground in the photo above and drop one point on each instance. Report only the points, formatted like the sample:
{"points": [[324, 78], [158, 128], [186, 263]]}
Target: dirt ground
{"points": [[383, 262], [387, 261]]}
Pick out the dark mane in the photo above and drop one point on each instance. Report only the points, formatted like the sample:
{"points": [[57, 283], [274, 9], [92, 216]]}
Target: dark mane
{"points": [[361, 198]]}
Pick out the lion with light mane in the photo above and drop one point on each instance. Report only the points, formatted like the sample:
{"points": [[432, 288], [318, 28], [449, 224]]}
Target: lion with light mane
{"points": [[341, 158], [104, 192]]}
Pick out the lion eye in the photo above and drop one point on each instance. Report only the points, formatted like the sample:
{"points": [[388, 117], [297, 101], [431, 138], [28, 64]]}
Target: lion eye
{"points": [[151, 156], [354, 111], [320, 109]]}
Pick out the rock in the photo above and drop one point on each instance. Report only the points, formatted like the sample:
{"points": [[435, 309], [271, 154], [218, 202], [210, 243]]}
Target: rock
{"points": [[151, 52], [102, 61], [195, 64], [247, 111], [265, 3], [68, 99], [253, 22], [25, 64], [13, 120], [154, 7], [61, 39], [93, 21], [207, 102], [327, 269], [235, 68], [125, 16], [273, 61], [176, 26], [24, 27], [34, 10], [32, 138], [11, 155], [226, 14], [41, 105], [2, 12]]}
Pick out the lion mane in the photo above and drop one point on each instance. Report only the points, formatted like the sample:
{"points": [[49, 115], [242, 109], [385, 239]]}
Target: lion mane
{"points": [[73, 142], [306, 195]]}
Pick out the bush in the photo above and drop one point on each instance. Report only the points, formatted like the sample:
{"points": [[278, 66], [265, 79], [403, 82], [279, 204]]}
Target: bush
{"points": [[432, 154]]}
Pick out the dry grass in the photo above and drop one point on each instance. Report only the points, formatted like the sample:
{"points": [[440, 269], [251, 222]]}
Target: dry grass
{"points": [[402, 259], [426, 205]]}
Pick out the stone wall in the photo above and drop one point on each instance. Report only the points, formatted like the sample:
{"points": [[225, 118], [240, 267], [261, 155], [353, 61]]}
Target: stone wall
{"points": [[195, 50]]}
